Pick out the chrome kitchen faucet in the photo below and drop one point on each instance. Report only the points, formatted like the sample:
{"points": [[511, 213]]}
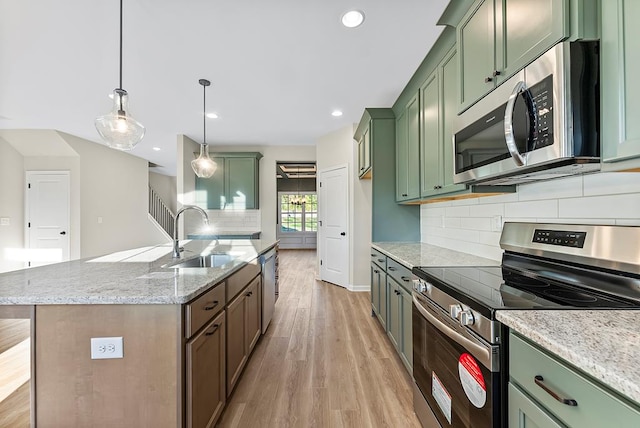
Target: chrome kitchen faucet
{"points": [[176, 245]]}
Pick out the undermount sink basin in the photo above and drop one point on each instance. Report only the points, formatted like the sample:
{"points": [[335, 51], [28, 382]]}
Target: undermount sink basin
{"points": [[208, 261]]}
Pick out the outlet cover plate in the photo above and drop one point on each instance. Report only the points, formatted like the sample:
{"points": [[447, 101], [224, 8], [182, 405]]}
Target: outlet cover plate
{"points": [[106, 347]]}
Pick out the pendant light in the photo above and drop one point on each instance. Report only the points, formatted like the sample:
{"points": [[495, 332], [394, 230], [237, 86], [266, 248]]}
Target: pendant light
{"points": [[298, 199], [118, 128], [203, 165]]}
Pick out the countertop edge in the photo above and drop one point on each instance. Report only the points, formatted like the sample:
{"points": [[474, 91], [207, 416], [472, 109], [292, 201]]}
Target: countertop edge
{"points": [[612, 376]]}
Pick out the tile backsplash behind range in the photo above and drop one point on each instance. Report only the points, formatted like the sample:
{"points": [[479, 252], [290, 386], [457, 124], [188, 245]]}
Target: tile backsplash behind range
{"points": [[472, 225]]}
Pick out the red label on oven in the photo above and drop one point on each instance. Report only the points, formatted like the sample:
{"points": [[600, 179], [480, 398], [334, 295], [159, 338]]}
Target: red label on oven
{"points": [[472, 380]]}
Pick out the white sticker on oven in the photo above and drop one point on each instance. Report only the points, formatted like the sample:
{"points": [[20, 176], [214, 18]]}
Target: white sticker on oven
{"points": [[472, 380], [442, 397]]}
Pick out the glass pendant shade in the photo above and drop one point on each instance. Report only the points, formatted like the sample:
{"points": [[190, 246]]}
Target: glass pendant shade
{"points": [[117, 128], [203, 165]]}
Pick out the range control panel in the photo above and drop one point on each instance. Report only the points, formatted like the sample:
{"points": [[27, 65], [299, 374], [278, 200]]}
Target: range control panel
{"points": [[562, 238]]}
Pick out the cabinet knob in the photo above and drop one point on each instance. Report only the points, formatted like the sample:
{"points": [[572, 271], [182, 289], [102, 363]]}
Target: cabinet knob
{"points": [[435, 187], [376, 271], [392, 269], [249, 294], [496, 73], [488, 79], [405, 279], [404, 195]]}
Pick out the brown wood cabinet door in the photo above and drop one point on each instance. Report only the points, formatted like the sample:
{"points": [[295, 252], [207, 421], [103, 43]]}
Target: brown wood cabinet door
{"points": [[253, 303], [206, 386], [237, 351]]}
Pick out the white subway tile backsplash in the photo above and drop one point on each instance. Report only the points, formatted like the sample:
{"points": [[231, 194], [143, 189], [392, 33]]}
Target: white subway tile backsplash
{"points": [[476, 223], [611, 183], [428, 210], [614, 206], [466, 225], [452, 222], [499, 199], [533, 209], [486, 210], [459, 211], [552, 189]]}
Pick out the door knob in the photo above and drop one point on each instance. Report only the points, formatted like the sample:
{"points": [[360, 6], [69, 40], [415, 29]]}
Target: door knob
{"points": [[63, 233], [343, 233]]}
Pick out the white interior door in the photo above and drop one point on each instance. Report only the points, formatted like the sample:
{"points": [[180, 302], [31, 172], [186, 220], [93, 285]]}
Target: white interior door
{"points": [[334, 208], [47, 212]]}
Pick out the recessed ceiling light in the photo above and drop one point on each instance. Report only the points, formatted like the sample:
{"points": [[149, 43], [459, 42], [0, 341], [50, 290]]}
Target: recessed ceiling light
{"points": [[352, 18], [157, 149], [212, 115], [336, 113]]}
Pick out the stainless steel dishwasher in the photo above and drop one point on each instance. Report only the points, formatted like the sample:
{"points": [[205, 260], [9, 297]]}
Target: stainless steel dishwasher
{"points": [[268, 262]]}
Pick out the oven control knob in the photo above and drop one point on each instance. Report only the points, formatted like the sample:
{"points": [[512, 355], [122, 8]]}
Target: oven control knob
{"points": [[467, 318], [454, 311]]}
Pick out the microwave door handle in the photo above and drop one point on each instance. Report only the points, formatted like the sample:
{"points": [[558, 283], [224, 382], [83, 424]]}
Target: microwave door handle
{"points": [[508, 124]]}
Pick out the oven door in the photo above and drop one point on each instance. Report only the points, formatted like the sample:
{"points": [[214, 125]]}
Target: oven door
{"points": [[456, 372]]}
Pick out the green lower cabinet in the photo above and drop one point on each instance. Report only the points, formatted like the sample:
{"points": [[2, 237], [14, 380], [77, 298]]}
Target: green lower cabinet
{"points": [[542, 376], [620, 64], [524, 413], [399, 321], [378, 294]]}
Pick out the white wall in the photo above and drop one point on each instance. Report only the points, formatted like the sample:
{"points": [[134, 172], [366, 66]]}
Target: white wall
{"points": [[338, 148], [466, 225], [264, 219], [166, 188], [113, 186], [11, 204]]}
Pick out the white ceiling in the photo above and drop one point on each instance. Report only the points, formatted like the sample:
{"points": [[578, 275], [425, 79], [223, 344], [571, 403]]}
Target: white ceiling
{"points": [[278, 67]]}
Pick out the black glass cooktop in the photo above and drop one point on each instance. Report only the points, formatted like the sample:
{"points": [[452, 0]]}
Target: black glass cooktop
{"points": [[526, 285]]}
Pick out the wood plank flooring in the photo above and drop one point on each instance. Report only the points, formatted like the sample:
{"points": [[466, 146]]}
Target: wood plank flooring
{"points": [[324, 361], [15, 371]]}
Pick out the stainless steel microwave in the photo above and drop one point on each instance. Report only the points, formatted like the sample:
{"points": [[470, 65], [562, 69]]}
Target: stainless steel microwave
{"points": [[542, 123]]}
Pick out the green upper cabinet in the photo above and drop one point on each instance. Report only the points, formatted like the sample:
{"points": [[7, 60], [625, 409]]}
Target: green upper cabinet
{"points": [[497, 38], [438, 98], [407, 152], [476, 41], [234, 184], [620, 64], [364, 153]]}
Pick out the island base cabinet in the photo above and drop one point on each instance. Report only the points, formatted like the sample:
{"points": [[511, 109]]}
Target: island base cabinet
{"points": [[243, 330], [138, 390], [206, 385]]}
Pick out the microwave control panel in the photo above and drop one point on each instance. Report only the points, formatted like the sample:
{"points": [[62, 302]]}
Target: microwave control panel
{"points": [[542, 97]]}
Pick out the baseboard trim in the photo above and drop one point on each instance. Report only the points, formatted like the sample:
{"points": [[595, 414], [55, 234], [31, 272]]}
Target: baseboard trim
{"points": [[359, 288]]}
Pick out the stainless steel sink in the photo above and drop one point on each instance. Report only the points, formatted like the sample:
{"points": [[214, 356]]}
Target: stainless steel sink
{"points": [[208, 261]]}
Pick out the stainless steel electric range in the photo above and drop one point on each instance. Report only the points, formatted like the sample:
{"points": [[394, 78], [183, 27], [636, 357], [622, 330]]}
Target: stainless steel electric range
{"points": [[460, 350]]}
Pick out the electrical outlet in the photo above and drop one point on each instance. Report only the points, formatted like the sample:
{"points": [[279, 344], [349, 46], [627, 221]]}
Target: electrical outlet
{"points": [[497, 223], [106, 347], [5, 221]]}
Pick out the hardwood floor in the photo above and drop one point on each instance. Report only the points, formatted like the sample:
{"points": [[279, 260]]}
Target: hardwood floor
{"points": [[324, 361], [15, 371]]}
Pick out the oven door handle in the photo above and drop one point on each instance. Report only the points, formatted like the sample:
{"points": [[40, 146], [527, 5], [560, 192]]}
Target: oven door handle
{"points": [[480, 351], [508, 124]]}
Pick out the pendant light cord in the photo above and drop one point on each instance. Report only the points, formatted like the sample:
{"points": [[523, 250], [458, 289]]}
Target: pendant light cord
{"points": [[204, 115], [120, 44]]}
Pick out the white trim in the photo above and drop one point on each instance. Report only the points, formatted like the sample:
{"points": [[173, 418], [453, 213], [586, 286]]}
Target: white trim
{"points": [[358, 288]]}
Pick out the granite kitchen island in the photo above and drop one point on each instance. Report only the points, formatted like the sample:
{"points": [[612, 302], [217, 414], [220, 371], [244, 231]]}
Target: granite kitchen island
{"points": [[187, 333]]}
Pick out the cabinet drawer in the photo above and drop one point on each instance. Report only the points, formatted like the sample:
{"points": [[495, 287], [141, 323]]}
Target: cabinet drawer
{"points": [[240, 279], [400, 273], [201, 310], [596, 406], [378, 258]]}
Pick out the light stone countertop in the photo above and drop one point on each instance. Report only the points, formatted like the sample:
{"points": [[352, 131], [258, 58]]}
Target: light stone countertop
{"points": [[604, 343], [127, 277], [413, 254]]}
